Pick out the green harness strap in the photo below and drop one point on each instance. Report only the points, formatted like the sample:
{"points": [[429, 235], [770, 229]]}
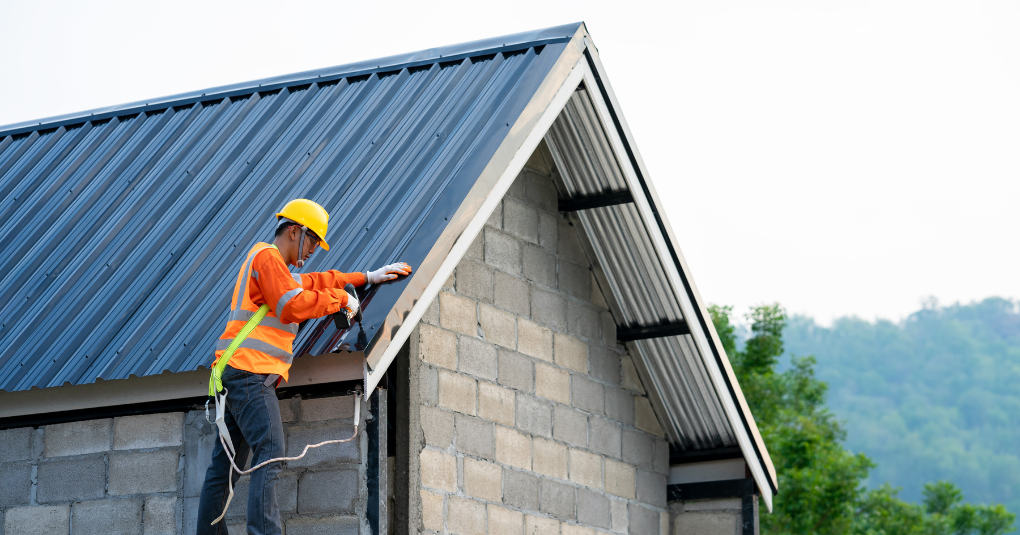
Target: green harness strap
{"points": [[215, 381]]}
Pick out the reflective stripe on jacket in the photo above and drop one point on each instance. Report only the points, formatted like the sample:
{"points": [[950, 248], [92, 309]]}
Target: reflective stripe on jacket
{"points": [[292, 298]]}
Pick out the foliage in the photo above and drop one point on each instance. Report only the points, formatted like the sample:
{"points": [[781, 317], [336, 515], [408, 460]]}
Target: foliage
{"points": [[820, 481], [931, 397]]}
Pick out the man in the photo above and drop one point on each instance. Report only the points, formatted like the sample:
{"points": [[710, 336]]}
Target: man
{"points": [[264, 357]]}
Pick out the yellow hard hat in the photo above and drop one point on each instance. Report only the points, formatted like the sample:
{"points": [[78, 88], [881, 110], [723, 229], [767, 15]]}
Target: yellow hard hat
{"points": [[309, 214]]}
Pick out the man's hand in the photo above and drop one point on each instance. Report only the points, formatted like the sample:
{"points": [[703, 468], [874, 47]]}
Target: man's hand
{"points": [[388, 273], [352, 306]]}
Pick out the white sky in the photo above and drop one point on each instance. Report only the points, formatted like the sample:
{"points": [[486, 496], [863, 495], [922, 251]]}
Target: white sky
{"points": [[842, 158]]}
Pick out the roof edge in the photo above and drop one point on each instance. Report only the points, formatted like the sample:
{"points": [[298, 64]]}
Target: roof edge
{"points": [[555, 34]]}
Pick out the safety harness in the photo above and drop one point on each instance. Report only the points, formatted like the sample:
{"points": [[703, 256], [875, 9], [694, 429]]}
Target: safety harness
{"points": [[219, 398]]}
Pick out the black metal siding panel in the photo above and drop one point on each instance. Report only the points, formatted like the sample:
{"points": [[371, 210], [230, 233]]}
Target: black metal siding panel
{"points": [[124, 236]]}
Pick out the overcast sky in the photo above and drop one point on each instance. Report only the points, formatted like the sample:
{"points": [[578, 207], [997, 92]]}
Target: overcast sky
{"points": [[842, 158]]}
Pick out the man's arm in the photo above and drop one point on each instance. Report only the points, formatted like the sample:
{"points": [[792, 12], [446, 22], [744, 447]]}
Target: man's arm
{"points": [[291, 302], [331, 279]]}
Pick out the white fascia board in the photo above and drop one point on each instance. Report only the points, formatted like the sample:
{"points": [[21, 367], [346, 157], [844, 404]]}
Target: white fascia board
{"points": [[513, 153], [676, 282]]}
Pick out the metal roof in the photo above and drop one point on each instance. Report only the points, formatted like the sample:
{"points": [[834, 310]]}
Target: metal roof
{"points": [[116, 221]]}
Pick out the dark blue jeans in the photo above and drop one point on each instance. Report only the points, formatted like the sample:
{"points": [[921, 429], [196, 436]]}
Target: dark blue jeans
{"points": [[253, 420]]}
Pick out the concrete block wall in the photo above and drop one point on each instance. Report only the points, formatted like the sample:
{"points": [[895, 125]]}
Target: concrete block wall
{"points": [[709, 517], [142, 475], [529, 417]]}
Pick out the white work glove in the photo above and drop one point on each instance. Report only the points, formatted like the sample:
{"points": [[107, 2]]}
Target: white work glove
{"points": [[352, 305], [388, 273]]}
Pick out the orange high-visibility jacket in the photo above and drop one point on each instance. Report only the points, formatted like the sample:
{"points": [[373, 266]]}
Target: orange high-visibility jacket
{"points": [[292, 298]]}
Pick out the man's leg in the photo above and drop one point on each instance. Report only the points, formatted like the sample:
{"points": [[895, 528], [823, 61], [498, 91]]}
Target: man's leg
{"points": [[260, 423], [214, 490]]}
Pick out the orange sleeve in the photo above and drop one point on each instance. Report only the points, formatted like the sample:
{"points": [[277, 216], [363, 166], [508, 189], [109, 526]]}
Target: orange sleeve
{"points": [[290, 301], [331, 279]]}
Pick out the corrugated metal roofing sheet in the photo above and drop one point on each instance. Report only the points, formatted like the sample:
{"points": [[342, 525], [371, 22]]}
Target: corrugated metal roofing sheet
{"points": [[120, 227]]}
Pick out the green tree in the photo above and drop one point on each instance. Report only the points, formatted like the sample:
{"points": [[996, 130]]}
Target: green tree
{"points": [[820, 481]]}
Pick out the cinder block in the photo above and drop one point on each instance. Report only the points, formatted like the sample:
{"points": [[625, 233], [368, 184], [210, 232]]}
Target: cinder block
{"points": [[474, 280], [503, 251], [570, 426], [548, 231], [540, 525], [458, 314], [498, 327], [619, 479], [16, 444], [107, 517], [475, 436], [496, 217], [520, 220], [437, 425], [160, 516], [437, 346], [593, 508], [71, 480], [571, 353], [148, 431], [477, 248], [457, 392], [631, 381], [583, 320], [604, 364], [466, 517], [520, 490], [143, 473], [607, 326], [505, 521], [475, 357], [534, 340], [432, 510], [191, 515], [707, 523], [574, 529], [438, 470], [38, 520], [287, 414], [644, 417], [549, 458], [198, 446], [540, 191], [428, 386], [539, 266], [604, 436], [585, 468], [15, 484], [483, 480], [515, 371], [344, 452], [660, 456], [575, 280], [645, 520], [331, 408], [651, 488], [496, 403], [619, 515], [537, 163], [511, 293], [431, 315], [516, 189], [557, 499], [569, 246], [330, 525], [513, 448], [334, 491], [597, 297], [620, 405], [637, 448], [552, 383], [548, 309], [78, 438], [451, 282], [587, 395], [534, 416]]}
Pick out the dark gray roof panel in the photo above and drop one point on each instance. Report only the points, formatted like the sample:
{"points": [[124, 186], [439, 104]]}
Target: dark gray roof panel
{"points": [[125, 233]]}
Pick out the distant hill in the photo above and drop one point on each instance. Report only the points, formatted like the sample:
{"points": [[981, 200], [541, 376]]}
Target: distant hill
{"points": [[936, 396]]}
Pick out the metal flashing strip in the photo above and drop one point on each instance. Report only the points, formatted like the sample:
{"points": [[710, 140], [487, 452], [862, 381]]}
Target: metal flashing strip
{"points": [[588, 202], [508, 43], [700, 456], [667, 257], [526, 134], [645, 332], [710, 490]]}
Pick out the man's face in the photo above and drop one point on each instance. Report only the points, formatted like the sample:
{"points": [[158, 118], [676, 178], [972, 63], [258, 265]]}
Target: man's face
{"points": [[311, 242]]}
